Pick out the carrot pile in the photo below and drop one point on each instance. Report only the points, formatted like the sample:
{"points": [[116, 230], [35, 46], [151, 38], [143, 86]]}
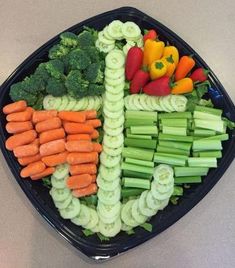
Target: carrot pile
{"points": [[42, 140]]}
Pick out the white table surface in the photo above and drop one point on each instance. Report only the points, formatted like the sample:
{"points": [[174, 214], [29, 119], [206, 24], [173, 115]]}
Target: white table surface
{"points": [[205, 237]]}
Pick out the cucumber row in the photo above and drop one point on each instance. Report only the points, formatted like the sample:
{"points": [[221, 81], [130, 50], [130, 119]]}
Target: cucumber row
{"points": [[170, 103], [67, 103]]}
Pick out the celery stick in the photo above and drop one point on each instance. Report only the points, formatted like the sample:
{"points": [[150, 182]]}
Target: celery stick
{"points": [[139, 162], [141, 115], [139, 122], [195, 138], [175, 144], [163, 149], [208, 110], [128, 131], [178, 190], [149, 130], [185, 157], [202, 162], [217, 125], [190, 171], [169, 160], [128, 192], [137, 153], [175, 122], [151, 144], [217, 154], [143, 137], [204, 132], [206, 145], [136, 183], [168, 137], [196, 154], [203, 115], [175, 115], [141, 169], [135, 174], [174, 130], [222, 137], [188, 179]]}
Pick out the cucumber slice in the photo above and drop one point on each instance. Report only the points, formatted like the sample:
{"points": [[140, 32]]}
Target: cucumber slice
{"points": [[106, 34], [110, 230], [115, 90], [144, 209], [156, 104], [111, 151], [136, 101], [126, 214], [164, 188], [61, 171], [143, 103], [109, 211], [83, 217], [140, 42], [104, 47], [163, 105], [112, 131], [131, 104], [131, 31], [80, 104], [115, 59], [160, 196], [110, 174], [58, 184], [98, 103], [163, 174], [152, 203], [93, 221], [114, 106], [91, 103], [114, 73], [126, 102], [59, 194], [63, 204], [104, 40], [114, 123], [72, 210], [166, 101], [114, 114], [150, 103], [109, 161], [136, 214], [95, 229], [108, 220], [107, 185], [179, 103], [64, 103], [51, 103], [115, 29], [114, 82], [71, 104], [126, 228], [113, 141], [164, 203], [109, 197]]}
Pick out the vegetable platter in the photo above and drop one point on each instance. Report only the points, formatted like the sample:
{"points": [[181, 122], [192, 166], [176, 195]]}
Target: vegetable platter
{"points": [[115, 129]]}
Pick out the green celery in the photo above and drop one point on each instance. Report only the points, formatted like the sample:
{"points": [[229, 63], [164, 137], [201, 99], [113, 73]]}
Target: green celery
{"points": [[139, 162], [175, 122], [206, 145], [188, 179], [168, 137], [138, 122], [202, 162], [217, 154], [182, 131], [204, 132], [177, 145], [195, 138], [146, 130], [137, 153], [135, 174], [141, 115], [216, 125], [180, 156], [143, 137], [190, 171], [208, 110], [163, 149], [169, 160], [136, 183], [203, 115], [221, 137], [141, 169], [129, 192], [175, 115], [150, 144], [196, 154]]}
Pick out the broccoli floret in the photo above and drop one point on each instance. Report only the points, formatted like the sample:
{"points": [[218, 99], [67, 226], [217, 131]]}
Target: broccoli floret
{"points": [[95, 90], [58, 51], [93, 54], [69, 39], [93, 73], [86, 39], [41, 72], [77, 87], [34, 84], [55, 87], [78, 59], [55, 68], [39, 103]]}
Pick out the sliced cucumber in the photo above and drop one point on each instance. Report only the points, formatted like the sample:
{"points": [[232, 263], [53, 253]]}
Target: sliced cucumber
{"points": [[104, 40], [112, 131], [131, 31], [104, 47], [109, 197], [152, 203], [96, 228], [179, 103], [71, 104], [81, 104], [106, 34], [126, 228], [51, 103], [132, 104], [108, 220], [143, 207], [61, 171], [114, 82], [91, 103], [115, 59], [126, 214], [163, 105], [136, 214], [110, 174], [160, 196], [109, 211], [114, 106], [63, 204], [156, 104], [115, 29], [114, 114], [110, 230], [113, 141], [136, 101], [164, 203], [107, 185], [58, 184], [98, 103], [114, 123], [59, 194], [150, 102], [93, 221], [64, 103], [143, 103], [166, 102], [115, 90], [163, 174], [72, 210], [108, 160], [140, 42], [83, 217], [112, 151], [114, 73], [164, 188]]}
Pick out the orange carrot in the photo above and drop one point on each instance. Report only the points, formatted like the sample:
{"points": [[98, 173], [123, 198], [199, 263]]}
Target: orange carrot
{"points": [[79, 146], [94, 122], [39, 116], [52, 147], [48, 171], [20, 139], [48, 124], [32, 169], [18, 127], [78, 137], [81, 158], [91, 114], [78, 128], [184, 66], [15, 107], [83, 169], [95, 134], [79, 181], [55, 159], [24, 161], [26, 150], [93, 177], [97, 147], [51, 135], [21, 116], [36, 142], [79, 117], [89, 190]]}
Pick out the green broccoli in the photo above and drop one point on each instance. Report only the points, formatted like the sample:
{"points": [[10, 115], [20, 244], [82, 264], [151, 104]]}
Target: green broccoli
{"points": [[55, 87], [55, 68], [69, 39], [38, 105], [34, 84], [86, 39], [76, 86], [95, 90], [93, 54], [41, 72], [58, 51], [78, 59], [93, 73]]}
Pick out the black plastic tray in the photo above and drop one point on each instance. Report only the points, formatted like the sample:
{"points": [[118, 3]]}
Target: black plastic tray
{"points": [[38, 194]]}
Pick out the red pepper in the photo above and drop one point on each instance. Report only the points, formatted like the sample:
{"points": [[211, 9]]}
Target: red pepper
{"points": [[151, 34], [200, 75], [134, 62], [140, 79], [158, 87]]}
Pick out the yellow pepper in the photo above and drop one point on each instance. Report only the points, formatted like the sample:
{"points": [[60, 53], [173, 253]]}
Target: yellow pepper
{"points": [[158, 69], [171, 50], [153, 50], [170, 66]]}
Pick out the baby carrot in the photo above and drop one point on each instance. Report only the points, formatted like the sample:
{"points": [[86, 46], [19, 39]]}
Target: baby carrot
{"points": [[77, 137], [32, 169], [79, 181], [24, 161], [39, 116], [81, 158], [21, 116], [94, 122], [91, 114], [36, 141], [95, 134], [97, 147], [15, 107], [78, 128], [48, 124], [20, 139], [55, 159], [51, 135], [184, 66], [52, 147], [48, 171], [83, 169], [78, 117], [79, 146], [93, 177], [89, 190], [182, 86], [18, 127], [26, 150]]}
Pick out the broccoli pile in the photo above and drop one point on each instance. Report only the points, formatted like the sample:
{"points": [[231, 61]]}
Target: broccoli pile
{"points": [[75, 67]]}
